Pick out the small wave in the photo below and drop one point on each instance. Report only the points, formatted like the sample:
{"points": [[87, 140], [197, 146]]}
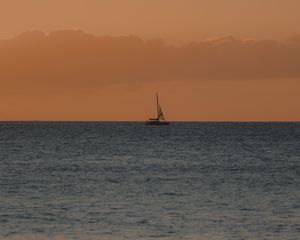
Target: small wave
{"points": [[61, 237], [58, 237]]}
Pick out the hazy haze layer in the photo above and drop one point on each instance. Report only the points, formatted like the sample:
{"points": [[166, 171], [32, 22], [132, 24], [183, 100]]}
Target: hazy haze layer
{"points": [[71, 75]]}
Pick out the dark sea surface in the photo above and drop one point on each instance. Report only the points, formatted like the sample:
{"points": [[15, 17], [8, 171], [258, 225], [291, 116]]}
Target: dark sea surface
{"points": [[194, 181]]}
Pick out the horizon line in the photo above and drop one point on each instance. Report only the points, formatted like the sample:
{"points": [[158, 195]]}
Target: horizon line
{"points": [[140, 121]]}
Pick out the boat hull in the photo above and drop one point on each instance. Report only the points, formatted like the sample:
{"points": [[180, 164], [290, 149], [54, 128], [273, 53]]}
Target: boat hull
{"points": [[159, 123]]}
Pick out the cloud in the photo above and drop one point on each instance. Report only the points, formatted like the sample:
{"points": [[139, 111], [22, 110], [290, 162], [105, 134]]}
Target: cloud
{"points": [[35, 62]]}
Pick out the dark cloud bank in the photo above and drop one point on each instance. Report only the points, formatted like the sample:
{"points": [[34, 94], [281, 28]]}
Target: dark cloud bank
{"points": [[74, 60]]}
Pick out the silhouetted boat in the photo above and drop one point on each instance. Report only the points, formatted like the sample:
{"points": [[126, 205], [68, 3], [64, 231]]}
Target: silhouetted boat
{"points": [[160, 120]]}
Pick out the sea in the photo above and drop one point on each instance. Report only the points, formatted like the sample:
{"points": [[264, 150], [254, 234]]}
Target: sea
{"points": [[125, 180]]}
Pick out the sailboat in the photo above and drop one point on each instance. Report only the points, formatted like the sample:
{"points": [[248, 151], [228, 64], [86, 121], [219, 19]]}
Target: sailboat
{"points": [[160, 120]]}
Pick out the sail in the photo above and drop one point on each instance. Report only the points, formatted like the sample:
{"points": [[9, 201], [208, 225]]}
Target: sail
{"points": [[160, 113], [160, 119]]}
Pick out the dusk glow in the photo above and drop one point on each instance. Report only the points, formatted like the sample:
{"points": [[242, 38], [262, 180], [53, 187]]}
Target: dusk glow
{"points": [[149, 119]]}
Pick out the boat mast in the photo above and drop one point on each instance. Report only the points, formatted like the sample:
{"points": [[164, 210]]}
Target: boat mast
{"points": [[157, 106]]}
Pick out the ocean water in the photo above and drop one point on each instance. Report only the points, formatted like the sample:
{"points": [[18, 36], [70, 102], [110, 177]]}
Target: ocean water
{"points": [[130, 181]]}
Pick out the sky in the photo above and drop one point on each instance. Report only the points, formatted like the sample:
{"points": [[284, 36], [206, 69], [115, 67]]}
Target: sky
{"points": [[216, 60], [173, 20]]}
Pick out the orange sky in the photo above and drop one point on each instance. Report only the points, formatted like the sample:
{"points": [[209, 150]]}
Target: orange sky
{"points": [[94, 75], [173, 20]]}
